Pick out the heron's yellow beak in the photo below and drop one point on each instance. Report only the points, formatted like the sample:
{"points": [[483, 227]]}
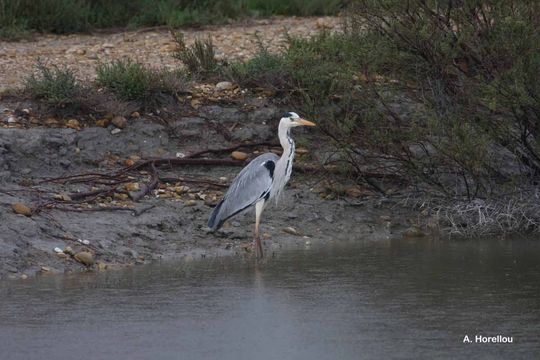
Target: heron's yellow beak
{"points": [[305, 122]]}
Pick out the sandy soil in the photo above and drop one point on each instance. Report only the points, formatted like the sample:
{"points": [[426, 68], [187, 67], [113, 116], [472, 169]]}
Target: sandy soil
{"points": [[150, 46]]}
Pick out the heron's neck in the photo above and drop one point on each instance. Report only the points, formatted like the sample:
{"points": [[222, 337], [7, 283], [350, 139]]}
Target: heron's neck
{"points": [[286, 141]]}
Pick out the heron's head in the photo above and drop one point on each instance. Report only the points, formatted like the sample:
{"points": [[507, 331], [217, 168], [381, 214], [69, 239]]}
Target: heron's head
{"points": [[292, 119]]}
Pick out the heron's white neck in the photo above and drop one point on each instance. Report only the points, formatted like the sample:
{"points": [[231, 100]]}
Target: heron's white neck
{"points": [[285, 139], [283, 170]]}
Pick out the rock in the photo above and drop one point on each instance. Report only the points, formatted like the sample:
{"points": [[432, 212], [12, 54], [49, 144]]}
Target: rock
{"points": [[191, 203], [353, 192], [62, 197], [73, 124], [132, 187], [103, 122], [292, 231], [413, 232], [85, 257], [120, 122], [120, 196], [211, 201], [11, 120], [58, 250], [21, 209], [195, 103], [239, 155], [181, 189], [135, 114], [68, 250], [116, 131], [107, 46], [224, 85], [45, 269], [24, 276]]}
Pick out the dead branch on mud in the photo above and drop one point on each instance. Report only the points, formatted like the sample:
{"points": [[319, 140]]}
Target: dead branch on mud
{"points": [[113, 183]]}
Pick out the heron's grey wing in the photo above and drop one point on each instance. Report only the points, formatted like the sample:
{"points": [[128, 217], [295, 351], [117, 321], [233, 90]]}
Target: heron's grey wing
{"points": [[250, 185]]}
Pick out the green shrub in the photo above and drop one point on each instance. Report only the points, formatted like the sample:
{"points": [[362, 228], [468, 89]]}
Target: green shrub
{"points": [[58, 87], [439, 90], [132, 81], [198, 59]]}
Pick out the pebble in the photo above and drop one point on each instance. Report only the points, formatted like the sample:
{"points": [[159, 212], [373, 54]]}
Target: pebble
{"points": [[291, 230], [115, 131], [21, 209], [103, 122], [11, 120], [73, 124], [135, 114], [58, 250], [224, 85], [132, 186], [353, 192], [120, 122], [191, 203], [239, 155], [181, 189], [84, 257], [68, 250]]}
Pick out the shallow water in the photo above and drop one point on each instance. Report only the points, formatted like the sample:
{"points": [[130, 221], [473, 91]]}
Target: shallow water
{"points": [[369, 300]]}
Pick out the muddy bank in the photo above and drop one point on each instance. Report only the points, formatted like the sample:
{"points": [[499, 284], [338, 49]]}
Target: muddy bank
{"points": [[163, 224]]}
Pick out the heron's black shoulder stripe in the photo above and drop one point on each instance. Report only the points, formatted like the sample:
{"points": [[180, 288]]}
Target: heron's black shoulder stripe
{"points": [[287, 114], [270, 165]]}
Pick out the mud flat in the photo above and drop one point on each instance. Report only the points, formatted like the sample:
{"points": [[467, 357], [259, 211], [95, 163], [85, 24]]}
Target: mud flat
{"points": [[167, 223]]}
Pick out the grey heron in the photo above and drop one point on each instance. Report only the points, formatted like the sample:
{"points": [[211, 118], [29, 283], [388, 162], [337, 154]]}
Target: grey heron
{"points": [[260, 181]]}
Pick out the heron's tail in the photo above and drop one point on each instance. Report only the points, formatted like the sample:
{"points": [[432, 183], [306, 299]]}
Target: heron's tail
{"points": [[215, 221]]}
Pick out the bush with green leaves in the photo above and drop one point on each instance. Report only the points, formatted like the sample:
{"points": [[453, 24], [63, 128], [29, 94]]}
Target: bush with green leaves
{"points": [[56, 86], [132, 81], [198, 59], [445, 91]]}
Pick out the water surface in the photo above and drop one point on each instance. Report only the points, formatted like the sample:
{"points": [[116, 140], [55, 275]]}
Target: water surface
{"points": [[369, 300]]}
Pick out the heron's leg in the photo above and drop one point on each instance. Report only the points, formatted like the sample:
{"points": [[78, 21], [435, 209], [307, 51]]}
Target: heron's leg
{"points": [[258, 211]]}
